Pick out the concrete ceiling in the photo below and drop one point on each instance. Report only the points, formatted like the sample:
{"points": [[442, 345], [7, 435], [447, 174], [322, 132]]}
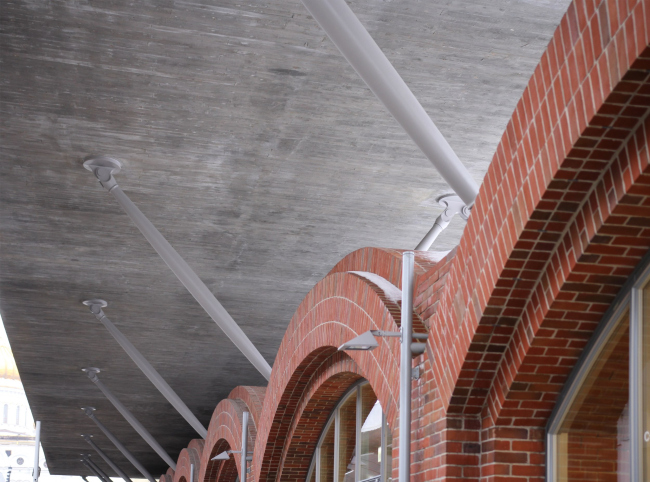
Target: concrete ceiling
{"points": [[253, 147]]}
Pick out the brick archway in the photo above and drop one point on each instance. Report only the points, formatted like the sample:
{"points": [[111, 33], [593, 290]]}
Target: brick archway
{"points": [[187, 457], [560, 222], [224, 433], [340, 307]]}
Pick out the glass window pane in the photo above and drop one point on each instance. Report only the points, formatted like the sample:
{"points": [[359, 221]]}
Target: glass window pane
{"points": [[347, 439], [645, 422], [594, 439], [371, 420], [327, 455]]}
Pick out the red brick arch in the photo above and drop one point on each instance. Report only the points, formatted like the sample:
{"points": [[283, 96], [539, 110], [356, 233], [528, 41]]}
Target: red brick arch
{"points": [[224, 433], [188, 456], [340, 307], [560, 222]]}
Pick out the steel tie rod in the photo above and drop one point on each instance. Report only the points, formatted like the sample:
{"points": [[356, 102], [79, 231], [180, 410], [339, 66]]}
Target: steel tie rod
{"points": [[159, 382], [104, 168]]}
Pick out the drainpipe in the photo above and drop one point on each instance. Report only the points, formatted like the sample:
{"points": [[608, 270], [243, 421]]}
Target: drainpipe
{"points": [[244, 446], [355, 43], [126, 413], [103, 168], [89, 411], [106, 458], [405, 365], [96, 306]]}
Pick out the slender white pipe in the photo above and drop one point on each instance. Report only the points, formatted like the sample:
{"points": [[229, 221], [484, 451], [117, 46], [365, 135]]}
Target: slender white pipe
{"points": [[406, 362], [355, 43], [37, 446], [129, 456], [191, 472], [103, 168], [94, 469], [193, 283], [126, 413], [144, 365], [97, 469], [431, 236], [453, 205], [106, 458], [244, 446]]}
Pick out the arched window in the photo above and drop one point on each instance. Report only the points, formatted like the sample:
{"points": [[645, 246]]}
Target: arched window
{"points": [[18, 415], [356, 445], [600, 427], [5, 414]]}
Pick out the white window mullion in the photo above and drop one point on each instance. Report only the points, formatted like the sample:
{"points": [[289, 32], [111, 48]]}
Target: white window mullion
{"points": [[383, 470], [337, 435], [636, 383], [357, 442]]}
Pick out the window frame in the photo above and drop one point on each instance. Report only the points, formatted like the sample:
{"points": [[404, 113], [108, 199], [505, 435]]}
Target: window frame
{"points": [[334, 418], [630, 298]]}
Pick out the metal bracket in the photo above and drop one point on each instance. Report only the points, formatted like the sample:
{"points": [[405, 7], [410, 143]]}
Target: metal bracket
{"points": [[397, 334], [103, 167], [415, 373]]}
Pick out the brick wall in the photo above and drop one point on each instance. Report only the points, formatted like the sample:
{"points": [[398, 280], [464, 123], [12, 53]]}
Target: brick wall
{"points": [[562, 218]]}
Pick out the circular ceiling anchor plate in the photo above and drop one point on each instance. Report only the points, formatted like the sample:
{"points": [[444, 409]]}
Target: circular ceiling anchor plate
{"points": [[96, 301], [93, 162]]}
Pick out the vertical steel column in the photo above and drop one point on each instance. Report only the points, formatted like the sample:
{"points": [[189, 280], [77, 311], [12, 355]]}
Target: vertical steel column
{"points": [[37, 441], [191, 472], [106, 458], [103, 168], [129, 456], [405, 368], [244, 446], [96, 306], [126, 413]]}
